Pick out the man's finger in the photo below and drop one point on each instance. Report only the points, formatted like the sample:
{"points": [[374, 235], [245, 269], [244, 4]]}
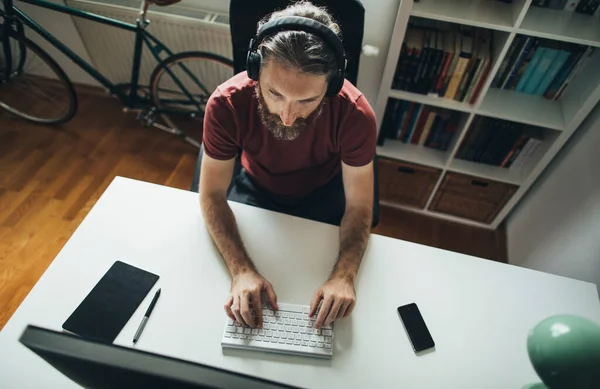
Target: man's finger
{"points": [[272, 296], [323, 312], [333, 312], [342, 312], [245, 308], [228, 308], [350, 309], [235, 308], [256, 305], [315, 302]]}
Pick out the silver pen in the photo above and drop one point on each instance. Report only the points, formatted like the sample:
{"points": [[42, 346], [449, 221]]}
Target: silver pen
{"points": [[146, 317]]}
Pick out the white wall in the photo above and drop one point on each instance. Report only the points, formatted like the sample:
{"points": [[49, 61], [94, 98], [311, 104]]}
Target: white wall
{"points": [[556, 227]]}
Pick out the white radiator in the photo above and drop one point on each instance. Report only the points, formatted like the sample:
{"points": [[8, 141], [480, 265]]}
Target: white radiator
{"points": [[111, 48]]}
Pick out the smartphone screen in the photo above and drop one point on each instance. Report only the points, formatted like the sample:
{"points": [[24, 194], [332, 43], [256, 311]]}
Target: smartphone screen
{"points": [[415, 327]]}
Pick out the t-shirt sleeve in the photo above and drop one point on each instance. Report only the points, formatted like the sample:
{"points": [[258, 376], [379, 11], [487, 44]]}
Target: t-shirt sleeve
{"points": [[220, 131], [359, 136]]}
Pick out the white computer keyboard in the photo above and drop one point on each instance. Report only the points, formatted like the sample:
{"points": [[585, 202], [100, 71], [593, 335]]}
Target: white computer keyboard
{"points": [[288, 330]]}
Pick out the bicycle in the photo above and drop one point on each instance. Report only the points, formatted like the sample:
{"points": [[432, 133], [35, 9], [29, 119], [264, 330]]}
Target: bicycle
{"points": [[34, 87]]}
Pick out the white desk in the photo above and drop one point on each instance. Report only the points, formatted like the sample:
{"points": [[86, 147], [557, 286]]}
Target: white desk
{"points": [[478, 311]]}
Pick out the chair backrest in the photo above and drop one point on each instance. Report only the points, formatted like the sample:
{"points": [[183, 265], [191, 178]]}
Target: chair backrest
{"points": [[244, 16]]}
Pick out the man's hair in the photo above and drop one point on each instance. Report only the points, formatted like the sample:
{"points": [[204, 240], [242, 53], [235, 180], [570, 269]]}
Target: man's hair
{"points": [[301, 50]]}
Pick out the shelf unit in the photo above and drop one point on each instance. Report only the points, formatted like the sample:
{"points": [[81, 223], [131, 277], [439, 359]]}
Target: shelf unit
{"points": [[559, 119]]}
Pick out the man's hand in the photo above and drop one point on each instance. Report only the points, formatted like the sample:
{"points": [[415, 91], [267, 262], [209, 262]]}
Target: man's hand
{"points": [[338, 298], [245, 289]]}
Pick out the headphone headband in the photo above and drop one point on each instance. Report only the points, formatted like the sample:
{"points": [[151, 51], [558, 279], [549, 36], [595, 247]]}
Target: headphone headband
{"points": [[298, 23]]}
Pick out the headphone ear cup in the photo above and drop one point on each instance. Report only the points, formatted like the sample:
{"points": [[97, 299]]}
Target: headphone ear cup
{"points": [[253, 62], [335, 85]]}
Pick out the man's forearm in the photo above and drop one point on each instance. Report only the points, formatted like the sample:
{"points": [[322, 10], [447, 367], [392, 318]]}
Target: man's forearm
{"points": [[224, 232], [354, 235]]}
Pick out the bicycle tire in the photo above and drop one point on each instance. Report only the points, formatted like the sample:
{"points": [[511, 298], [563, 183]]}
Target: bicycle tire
{"points": [[20, 88], [185, 118]]}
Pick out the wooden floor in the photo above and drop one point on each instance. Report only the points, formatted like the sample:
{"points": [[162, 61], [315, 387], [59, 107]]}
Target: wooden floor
{"points": [[51, 177]]}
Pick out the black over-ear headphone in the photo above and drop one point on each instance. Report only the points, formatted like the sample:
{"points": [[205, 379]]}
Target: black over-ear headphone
{"points": [[298, 23]]}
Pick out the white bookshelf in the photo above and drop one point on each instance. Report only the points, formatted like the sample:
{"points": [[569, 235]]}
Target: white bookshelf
{"points": [[558, 119]]}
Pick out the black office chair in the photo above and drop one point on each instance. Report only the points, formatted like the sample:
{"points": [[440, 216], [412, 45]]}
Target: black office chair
{"points": [[244, 16]]}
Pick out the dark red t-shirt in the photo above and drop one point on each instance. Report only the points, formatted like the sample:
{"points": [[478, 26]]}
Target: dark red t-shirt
{"points": [[345, 131]]}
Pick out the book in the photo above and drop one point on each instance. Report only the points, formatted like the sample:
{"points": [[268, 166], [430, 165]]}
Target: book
{"points": [[549, 55], [582, 62], [553, 70]]}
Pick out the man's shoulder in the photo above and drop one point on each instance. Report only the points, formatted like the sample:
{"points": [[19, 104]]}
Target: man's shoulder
{"points": [[352, 97], [238, 86]]}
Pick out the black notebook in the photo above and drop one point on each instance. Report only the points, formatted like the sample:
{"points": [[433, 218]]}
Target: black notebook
{"points": [[111, 303]]}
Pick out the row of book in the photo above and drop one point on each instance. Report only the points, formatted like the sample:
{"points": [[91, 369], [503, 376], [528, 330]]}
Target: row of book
{"points": [[499, 143], [541, 67], [588, 7], [444, 60], [418, 124]]}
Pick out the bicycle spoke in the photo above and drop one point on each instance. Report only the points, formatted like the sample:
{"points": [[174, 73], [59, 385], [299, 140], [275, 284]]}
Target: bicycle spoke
{"points": [[181, 87]]}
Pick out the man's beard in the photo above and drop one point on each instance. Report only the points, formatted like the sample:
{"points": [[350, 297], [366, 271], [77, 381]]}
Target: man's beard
{"points": [[275, 125]]}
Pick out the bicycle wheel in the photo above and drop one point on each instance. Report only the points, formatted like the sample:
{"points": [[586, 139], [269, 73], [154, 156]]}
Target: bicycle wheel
{"points": [[181, 86], [37, 89]]}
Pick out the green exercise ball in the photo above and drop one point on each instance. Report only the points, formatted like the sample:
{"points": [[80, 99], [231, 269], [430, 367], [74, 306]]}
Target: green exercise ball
{"points": [[565, 353]]}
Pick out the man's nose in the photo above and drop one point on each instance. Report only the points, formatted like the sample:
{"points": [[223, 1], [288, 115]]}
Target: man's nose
{"points": [[288, 116]]}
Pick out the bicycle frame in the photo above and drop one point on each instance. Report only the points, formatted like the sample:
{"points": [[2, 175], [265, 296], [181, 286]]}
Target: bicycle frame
{"points": [[156, 47]]}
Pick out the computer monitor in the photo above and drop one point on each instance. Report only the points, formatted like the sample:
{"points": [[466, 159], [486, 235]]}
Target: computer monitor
{"points": [[97, 365]]}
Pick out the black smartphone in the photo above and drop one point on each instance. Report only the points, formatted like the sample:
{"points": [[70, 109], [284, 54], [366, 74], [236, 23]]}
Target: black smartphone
{"points": [[415, 327]]}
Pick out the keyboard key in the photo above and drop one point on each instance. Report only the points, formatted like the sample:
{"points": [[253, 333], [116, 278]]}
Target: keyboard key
{"points": [[328, 327], [254, 331], [320, 344], [305, 337], [247, 331], [306, 310], [285, 315], [328, 339], [292, 308], [326, 332], [298, 337], [297, 342], [295, 329], [265, 312], [235, 336], [282, 341], [283, 335], [237, 324], [259, 338], [269, 333], [327, 345], [239, 330], [229, 322], [242, 336], [227, 335], [320, 338], [312, 344], [287, 328], [272, 319], [270, 312], [251, 337], [230, 329], [273, 340], [289, 341], [266, 326], [305, 344], [280, 327]]}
